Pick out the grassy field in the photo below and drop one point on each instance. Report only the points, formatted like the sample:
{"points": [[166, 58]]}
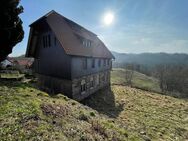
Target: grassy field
{"points": [[157, 117], [29, 114], [119, 113], [139, 80], [13, 75]]}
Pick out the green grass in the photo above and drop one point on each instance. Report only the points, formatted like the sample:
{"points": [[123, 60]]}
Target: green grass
{"points": [[11, 76], [150, 115], [116, 114], [139, 80], [29, 114]]}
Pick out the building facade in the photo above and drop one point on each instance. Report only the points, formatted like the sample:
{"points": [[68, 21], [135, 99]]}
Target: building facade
{"points": [[69, 59]]}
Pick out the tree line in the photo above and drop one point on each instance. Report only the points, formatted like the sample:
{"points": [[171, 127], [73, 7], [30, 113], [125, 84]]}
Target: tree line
{"points": [[173, 78]]}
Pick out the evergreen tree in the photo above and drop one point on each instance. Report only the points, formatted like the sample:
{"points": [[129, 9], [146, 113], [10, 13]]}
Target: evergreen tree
{"points": [[11, 30]]}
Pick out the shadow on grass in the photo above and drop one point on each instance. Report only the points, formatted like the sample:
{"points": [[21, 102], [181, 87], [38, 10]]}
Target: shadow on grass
{"points": [[104, 102]]}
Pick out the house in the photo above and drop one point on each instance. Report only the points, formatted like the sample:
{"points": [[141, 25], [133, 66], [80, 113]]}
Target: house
{"points": [[25, 63], [69, 59], [8, 62]]}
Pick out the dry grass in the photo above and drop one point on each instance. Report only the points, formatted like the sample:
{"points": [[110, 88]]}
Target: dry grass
{"points": [[151, 115]]}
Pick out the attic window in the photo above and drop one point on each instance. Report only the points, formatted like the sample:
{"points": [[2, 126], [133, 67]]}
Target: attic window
{"points": [[86, 43], [46, 40]]}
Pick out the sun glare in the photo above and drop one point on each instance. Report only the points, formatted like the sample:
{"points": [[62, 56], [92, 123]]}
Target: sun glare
{"points": [[108, 18]]}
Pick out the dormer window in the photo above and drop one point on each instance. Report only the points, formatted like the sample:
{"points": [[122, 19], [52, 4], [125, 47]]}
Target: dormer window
{"points": [[86, 43]]}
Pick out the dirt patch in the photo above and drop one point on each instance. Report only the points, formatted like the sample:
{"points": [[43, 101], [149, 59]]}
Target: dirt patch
{"points": [[32, 117], [55, 110]]}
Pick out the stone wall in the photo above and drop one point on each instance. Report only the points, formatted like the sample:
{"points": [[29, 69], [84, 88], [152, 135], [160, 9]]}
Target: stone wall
{"points": [[100, 80], [72, 89], [55, 85]]}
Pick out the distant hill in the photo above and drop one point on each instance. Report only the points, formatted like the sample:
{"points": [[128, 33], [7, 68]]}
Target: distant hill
{"points": [[151, 58]]}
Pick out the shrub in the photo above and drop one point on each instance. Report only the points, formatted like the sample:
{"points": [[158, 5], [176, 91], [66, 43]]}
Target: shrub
{"points": [[92, 114], [83, 116]]}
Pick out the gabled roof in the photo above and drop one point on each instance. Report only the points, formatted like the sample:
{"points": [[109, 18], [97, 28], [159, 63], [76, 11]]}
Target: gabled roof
{"points": [[67, 32], [24, 62]]}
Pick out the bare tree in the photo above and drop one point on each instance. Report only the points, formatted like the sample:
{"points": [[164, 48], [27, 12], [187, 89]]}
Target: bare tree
{"points": [[161, 72], [173, 78], [129, 71]]}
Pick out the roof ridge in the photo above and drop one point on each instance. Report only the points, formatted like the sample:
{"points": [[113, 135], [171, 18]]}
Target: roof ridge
{"points": [[64, 29], [49, 13], [45, 16]]}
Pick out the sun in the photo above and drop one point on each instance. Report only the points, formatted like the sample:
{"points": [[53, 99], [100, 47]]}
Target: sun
{"points": [[108, 18]]}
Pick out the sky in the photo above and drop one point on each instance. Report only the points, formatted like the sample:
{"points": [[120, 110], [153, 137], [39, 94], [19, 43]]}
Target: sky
{"points": [[138, 26]]}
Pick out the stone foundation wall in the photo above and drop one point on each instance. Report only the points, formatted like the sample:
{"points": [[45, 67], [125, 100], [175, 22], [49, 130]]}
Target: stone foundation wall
{"points": [[55, 85], [100, 80], [72, 89]]}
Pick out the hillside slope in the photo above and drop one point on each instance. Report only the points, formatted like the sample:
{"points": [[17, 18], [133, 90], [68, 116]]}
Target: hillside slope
{"points": [[152, 115], [139, 80], [117, 114], [29, 114]]}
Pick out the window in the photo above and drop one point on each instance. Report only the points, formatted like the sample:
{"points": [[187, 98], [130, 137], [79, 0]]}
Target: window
{"points": [[84, 63], [108, 62], [91, 82], [86, 42], [46, 41], [104, 63], [83, 42], [83, 86], [99, 62], [93, 63]]}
